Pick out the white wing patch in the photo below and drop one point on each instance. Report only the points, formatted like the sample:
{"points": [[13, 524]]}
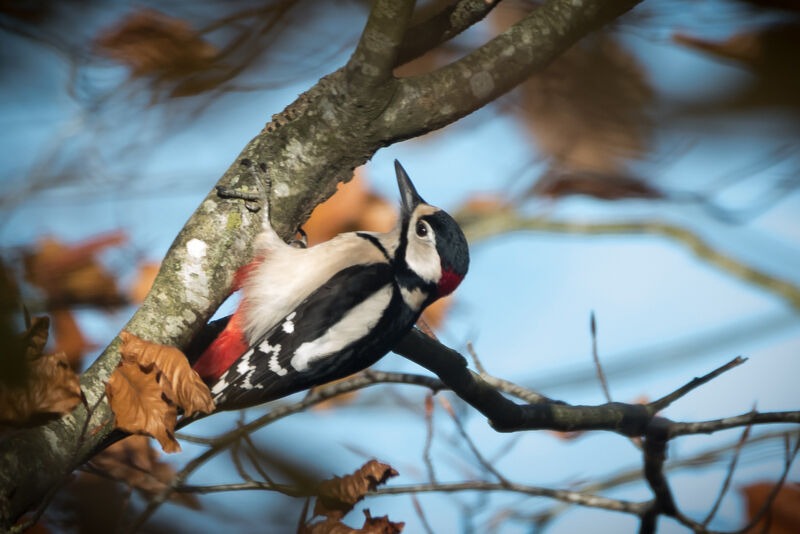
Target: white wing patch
{"points": [[220, 386], [246, 370], [288, 325], [272, 351], [354, 325], [413, 298]]}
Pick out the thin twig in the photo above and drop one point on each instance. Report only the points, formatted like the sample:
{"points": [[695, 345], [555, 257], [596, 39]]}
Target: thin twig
{"points": [[663, 402], [426, 451], [421, 514], [505, 386], [729, 475], [471, 444], [600, 375]]}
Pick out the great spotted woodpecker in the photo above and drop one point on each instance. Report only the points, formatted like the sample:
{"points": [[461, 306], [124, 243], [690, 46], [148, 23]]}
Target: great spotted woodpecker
{"points": [[311, 315]]}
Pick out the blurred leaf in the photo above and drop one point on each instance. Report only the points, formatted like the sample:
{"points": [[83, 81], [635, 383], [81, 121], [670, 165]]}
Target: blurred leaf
{"points": [[154, 44], [51, 388], [769, 53], [337, 496], [434, 315], [71, 275], [339, 400], [372, 525], [588, 110], [145, 276], [783, 517], [150, 384], [556, 184], [134, 462], [69, 338], [353, 207]]}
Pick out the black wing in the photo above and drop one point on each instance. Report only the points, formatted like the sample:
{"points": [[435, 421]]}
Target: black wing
{"points": [[344, 326]]}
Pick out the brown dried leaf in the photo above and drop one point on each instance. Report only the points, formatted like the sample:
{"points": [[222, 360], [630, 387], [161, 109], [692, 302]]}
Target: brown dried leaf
{"points": [[372, 525], [602, 186], [136, 463], [154, 44], [71, 274], [69, 338], [783, 516], [150, 384], [588, 110], [51, 388], [190, 392], [338, 495], [340, 212], [141, 400]]}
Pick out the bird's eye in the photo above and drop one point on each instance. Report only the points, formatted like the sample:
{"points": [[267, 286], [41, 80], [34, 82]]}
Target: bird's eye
{"points": [[422, 230]]}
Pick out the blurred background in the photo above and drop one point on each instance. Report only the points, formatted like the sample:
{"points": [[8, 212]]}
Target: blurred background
{"points": [[649, 175]]}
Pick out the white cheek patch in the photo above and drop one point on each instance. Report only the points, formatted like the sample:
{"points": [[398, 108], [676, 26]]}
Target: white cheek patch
{"points": [[422, 257], [355, 324]]}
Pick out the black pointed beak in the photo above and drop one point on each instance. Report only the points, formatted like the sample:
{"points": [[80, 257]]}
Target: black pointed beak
{"points": [[408, 193]]}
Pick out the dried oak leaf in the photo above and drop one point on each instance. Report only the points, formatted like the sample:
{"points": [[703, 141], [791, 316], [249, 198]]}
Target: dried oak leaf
{"points": [[338, 495], [154, 44], [134, 462], [150, 384], [783, 517], [372, 525], [71, 274], [191, 393], [50, 388]]}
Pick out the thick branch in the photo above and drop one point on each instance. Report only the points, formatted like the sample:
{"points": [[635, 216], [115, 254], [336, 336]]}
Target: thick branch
{"points": [[432, 100], [507, 416], [442, 27], [376, 54]]}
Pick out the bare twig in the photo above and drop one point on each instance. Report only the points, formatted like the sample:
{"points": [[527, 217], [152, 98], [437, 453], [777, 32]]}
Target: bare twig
{"points": [[471, 444], [501, 222], [426, 452], [505, 386], [663, 402], [600, 375], [729, 475], [421, 514], [749, 418]]}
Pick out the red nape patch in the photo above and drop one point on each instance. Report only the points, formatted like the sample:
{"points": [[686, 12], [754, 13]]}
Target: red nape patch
{"points": [[223, 351], [449, 281]]}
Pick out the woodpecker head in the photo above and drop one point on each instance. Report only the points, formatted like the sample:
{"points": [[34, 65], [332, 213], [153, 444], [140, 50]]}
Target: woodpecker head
{"points": [[431, 242]]}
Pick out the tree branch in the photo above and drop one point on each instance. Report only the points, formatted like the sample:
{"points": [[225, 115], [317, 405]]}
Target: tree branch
{"points": [[442, 27], [431, 100], [376, 53], [500, 222]]}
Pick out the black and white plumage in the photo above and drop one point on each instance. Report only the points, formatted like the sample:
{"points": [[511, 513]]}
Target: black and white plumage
{"points": [[309, 316]]}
